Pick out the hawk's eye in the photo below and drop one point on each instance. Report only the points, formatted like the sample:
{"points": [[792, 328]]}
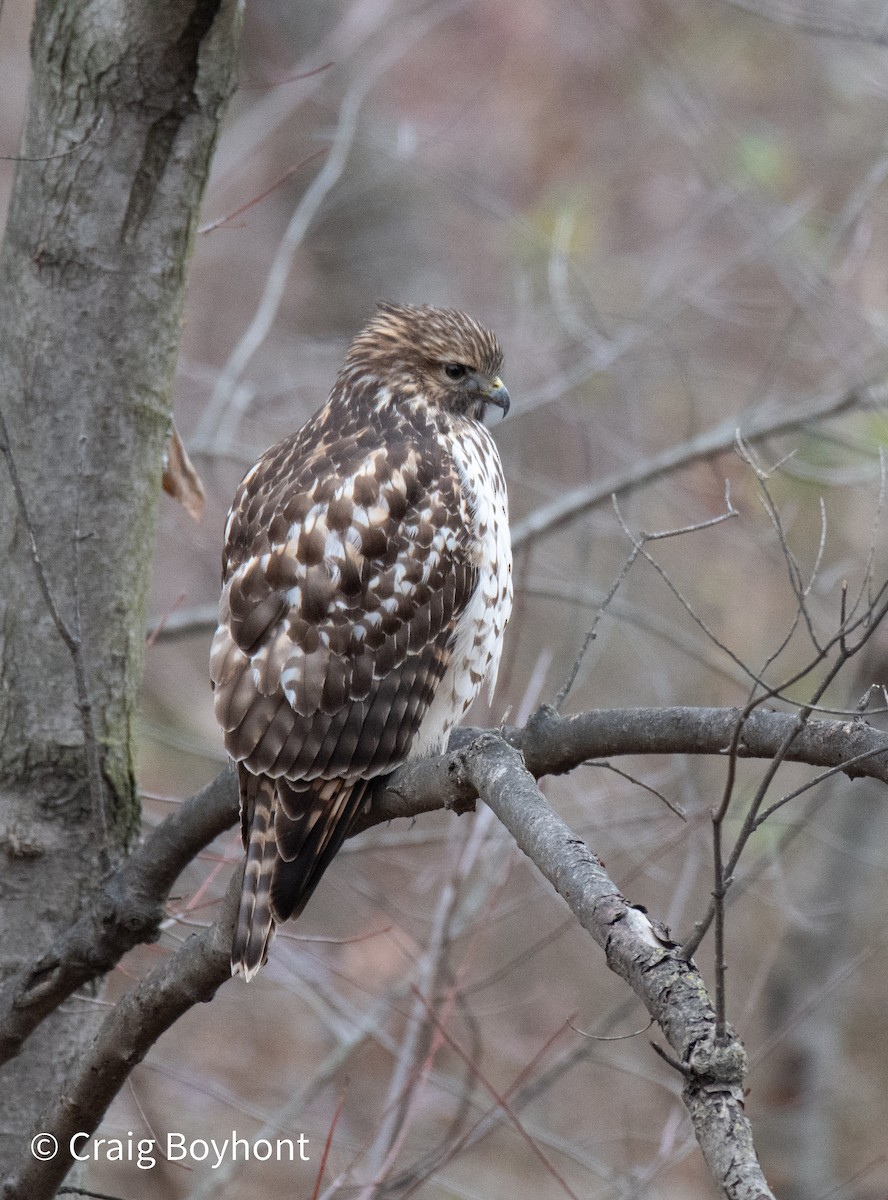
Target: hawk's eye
{"points": [[455, 371]]}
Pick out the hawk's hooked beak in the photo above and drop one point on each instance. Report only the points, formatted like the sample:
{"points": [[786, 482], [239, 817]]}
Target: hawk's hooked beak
{"points": [[494, 392]]}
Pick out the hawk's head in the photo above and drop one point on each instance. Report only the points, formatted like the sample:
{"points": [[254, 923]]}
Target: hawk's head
{"points": [[438, 355]]}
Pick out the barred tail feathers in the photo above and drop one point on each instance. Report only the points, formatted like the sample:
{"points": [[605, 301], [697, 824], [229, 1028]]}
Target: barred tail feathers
{"points": [[255, 924], [292, 831]]}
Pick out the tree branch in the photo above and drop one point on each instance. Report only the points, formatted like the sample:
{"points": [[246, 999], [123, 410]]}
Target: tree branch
{"points": [[191, 976], [554, 744], [130, 907], [669, 986], [710, 444], [127, 912]]}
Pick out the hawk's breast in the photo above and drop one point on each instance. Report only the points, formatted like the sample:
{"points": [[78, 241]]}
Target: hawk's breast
{"points": [[479, 637]]}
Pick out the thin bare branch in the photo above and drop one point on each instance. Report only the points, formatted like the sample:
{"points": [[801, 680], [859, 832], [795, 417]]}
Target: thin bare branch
{"points": [[513, 1094], [414, 1044], [670, 804], [592, 632], [638, 541], [647, 619], [872, 622], [611, 1037], [184, 623], [42, 158], [282, 179], [724, 868], [794, 572], [839, 769], [875, 530], [755, 426], [206, 438], [498, 1096]]}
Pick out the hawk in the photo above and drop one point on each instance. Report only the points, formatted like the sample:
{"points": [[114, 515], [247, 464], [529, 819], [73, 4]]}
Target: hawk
{"points": [[366, 588]]}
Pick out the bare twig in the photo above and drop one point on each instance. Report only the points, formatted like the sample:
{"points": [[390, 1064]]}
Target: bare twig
{"points": [[800, 590], [870, 622], [206, 437], [639, 543], [670, 804], [368, 1024], [498, 1096], [839, 769], [186, 622], [592, 632], [249, 130], [327, 1143], [91, 745], [475, 1131], [648, 619], [40, 158], [219, 221], [865, 582], [414, 1046], [724, 868], [253, 85], [637, 548], [611, 1037], [755, 427]]}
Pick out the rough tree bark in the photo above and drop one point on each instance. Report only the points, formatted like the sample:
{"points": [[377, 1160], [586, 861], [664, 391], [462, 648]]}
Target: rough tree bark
{"points": [[123, 113]]}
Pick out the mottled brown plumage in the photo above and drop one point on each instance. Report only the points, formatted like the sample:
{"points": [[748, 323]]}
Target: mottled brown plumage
{"points": [[366, 587]]}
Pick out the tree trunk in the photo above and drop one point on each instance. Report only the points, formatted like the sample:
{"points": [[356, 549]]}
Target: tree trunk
{"points": [[123, 113]]}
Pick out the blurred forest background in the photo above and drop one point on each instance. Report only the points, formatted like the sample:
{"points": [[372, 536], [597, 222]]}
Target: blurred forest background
{"points": [[675, 215]]}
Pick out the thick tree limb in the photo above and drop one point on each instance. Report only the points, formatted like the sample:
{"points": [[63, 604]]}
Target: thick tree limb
{"points": [[669, 986], [127, 912], [553, 745]]}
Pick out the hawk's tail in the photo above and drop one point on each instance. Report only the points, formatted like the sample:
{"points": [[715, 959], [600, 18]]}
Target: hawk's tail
{"points": [[255, 925], [291, 831]]}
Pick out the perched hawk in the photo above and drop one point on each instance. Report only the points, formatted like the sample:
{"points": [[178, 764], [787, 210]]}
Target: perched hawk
{"points": [[366, 587]]}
